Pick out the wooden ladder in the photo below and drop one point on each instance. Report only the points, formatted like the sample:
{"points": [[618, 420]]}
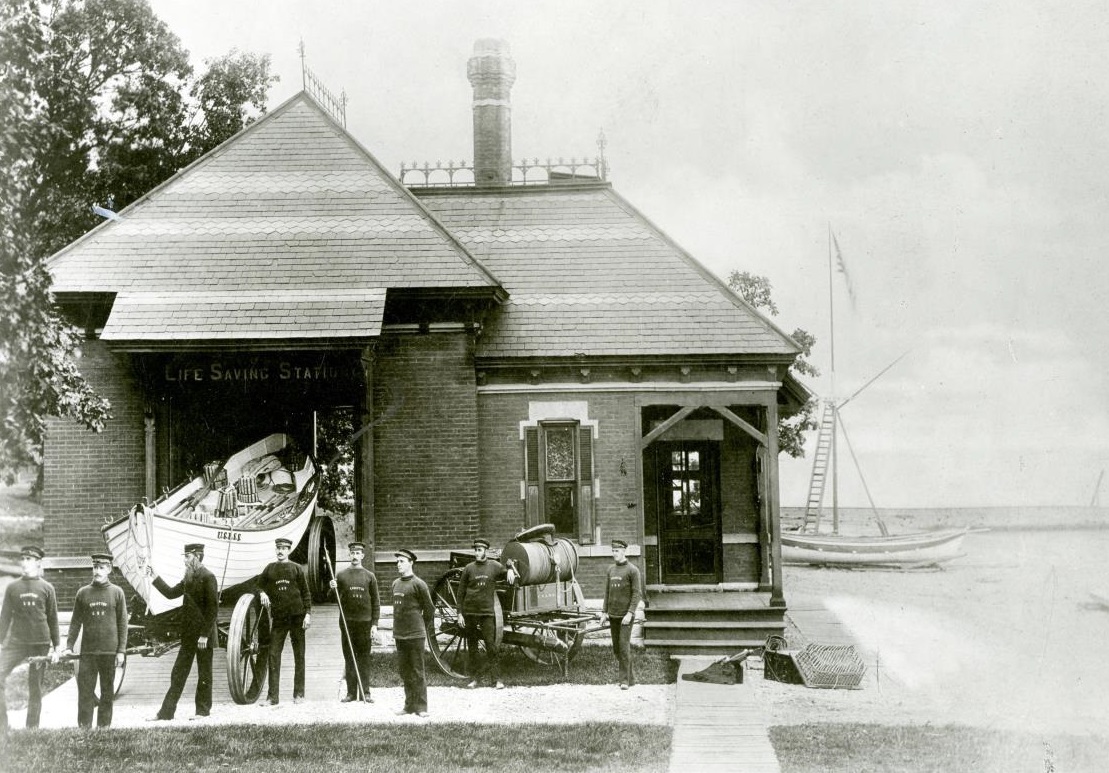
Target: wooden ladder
{"points": [[814, 508]]}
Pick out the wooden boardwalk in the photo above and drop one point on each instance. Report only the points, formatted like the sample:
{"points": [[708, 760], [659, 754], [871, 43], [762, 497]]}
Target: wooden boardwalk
{"points": [[718, 727]]}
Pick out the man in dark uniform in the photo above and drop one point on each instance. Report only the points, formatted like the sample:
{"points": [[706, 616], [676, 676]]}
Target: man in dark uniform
{"points": [[283, 590], [413, 617], [477, 600], [360, 604], [198, 637], [30, 616], [623, 593], [100, 619]]}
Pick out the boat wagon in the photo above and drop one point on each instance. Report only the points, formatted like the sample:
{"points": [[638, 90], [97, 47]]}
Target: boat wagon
{"points": [[543, 613], [237, 509]]}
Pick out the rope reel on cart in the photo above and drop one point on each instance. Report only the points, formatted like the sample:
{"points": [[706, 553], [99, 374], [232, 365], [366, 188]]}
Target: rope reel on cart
{"points": [[541, 614]]}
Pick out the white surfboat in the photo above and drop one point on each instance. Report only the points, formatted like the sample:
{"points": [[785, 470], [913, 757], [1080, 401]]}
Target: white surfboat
{"points": [[238, 535], [916, 549]]}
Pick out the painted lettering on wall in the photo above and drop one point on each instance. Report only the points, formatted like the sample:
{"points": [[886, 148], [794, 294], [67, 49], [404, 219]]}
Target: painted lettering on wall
{"points": [[221, 372]]}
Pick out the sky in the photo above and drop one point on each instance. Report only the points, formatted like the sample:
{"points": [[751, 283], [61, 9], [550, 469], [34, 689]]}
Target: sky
{"points": [[954, 147]]}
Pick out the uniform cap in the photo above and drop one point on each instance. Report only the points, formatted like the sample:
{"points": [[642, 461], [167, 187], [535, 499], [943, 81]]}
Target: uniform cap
{"points": [[481, 543], [101, 558], [282, 542], [405, 553], [619, 543], [34, 551], [357, 546], [195, 547]]}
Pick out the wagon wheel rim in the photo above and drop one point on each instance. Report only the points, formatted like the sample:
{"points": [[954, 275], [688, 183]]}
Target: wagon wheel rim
{"points": [[321, 538], [448, 640], [247, 650]]}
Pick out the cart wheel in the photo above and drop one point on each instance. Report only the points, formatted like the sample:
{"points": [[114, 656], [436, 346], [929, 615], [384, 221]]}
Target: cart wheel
{"points": [[321, 536], [561, 645], [248, 648], [121, 671], [448, 640]]}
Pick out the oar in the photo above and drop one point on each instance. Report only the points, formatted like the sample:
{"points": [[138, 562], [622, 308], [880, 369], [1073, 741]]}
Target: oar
{"points": [[343, 620]]}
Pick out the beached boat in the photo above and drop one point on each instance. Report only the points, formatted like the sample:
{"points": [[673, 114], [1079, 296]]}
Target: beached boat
{"points": [[916, 549], [809, 544], [236, 509]]}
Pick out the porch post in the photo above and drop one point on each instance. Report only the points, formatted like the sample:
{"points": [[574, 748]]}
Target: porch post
{"points": [[150, 456], [364, 461], [777, 598]]}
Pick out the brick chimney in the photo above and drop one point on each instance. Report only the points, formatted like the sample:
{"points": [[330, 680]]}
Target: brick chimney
{"points": [[492, 72]]}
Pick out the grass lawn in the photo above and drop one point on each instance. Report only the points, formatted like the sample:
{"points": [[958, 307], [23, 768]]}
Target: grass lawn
{"points": [[924, 749], [430, 748]]}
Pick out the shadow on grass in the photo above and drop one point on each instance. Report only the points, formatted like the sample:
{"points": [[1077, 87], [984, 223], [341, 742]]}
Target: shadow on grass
{"points": [[821, 748], [410, 748]]}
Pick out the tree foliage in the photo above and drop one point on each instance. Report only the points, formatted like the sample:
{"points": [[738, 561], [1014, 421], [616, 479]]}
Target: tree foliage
{"points": [[98, 104], [756, 290]]}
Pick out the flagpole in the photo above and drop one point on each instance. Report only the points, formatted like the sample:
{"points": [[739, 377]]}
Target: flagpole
{"points": [[835, 407]]}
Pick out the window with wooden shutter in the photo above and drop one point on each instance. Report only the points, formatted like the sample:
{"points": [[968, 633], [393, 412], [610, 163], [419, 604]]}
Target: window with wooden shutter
{"points": [[533, 511], [558, 478]]}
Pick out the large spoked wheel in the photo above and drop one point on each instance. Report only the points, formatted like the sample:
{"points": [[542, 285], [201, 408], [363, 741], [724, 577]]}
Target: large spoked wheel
{"points": [[321, 544], [117, 683], [248, 648], [552, 646], [448, 640]]}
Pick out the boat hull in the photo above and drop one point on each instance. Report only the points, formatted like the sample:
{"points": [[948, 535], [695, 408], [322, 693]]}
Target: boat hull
{"points": [[152, 536], [921, 548]]}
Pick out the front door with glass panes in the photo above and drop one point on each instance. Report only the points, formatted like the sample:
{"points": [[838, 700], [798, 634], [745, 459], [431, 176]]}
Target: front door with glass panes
{"points": [[689, 512]]}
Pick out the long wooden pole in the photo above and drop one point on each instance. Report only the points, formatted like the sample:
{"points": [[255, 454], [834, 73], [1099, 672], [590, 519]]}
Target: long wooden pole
{"points": [[835, 408], [346, 629]]}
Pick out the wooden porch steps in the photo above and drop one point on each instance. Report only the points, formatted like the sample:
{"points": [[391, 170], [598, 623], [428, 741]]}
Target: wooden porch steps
{"points": [[710, 622]]}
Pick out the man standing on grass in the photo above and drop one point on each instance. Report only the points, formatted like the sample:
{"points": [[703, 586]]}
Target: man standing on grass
{"points": [[283, 590], [623, 593], [100, 619], [360, 606], [198, 636], [413, 618], [477, 600], [30, 616]]}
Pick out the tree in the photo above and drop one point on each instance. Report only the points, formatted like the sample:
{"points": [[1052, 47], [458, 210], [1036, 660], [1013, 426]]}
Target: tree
{"points": [[98, 104], [756, 290]]}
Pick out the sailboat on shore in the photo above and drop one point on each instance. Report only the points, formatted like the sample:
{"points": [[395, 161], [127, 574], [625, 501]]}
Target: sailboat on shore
{"points": [[808, 544]]}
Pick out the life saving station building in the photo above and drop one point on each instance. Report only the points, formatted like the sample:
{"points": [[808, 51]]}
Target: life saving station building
{"points": [[524, 345]]}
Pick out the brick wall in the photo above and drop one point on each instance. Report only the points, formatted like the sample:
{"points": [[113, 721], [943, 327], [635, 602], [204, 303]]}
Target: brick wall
{"points": [[91, 476], [425, 455], [618, 511]]}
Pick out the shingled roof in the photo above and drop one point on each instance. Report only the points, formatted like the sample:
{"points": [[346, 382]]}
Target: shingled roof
{"points": [[587, 274], [290, 223]]}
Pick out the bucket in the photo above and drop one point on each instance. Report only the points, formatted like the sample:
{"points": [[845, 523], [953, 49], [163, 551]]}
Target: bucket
{"points": [[538, 563]]}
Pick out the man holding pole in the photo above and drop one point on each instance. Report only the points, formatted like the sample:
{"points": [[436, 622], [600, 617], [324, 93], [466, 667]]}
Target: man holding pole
{"points": [[28, 628], [359, 607]]}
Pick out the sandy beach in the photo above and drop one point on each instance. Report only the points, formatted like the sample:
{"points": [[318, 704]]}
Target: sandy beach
{"points": [[1012, 636]]}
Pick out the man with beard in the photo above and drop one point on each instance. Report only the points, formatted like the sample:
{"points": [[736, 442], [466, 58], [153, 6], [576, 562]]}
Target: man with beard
{"points": [[100, 619], [30, 616], [360, 605], [198, 636]]}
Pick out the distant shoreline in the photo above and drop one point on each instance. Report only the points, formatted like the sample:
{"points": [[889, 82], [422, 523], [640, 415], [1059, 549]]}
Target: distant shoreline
{"points": [[904, 519]]}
